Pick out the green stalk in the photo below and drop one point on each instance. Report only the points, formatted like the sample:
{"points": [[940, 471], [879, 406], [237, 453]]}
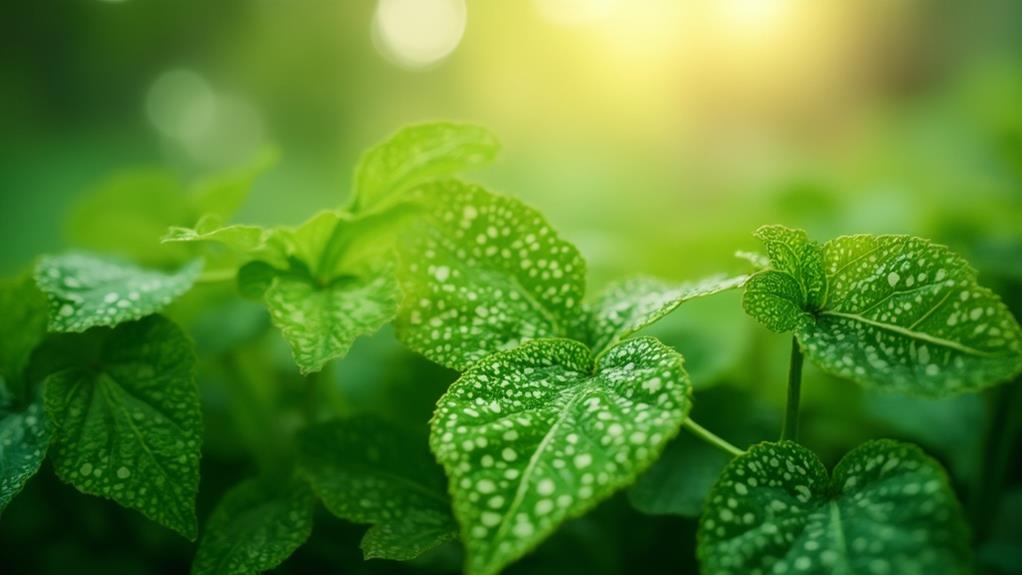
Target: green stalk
{"points": [[709, 437], [789, 431]]}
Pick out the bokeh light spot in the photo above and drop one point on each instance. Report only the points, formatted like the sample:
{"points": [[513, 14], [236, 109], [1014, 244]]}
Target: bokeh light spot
{"points": [[418, 33], [180, 104]]}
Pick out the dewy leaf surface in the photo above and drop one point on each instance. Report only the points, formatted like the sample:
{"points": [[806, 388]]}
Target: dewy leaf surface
{"points": [[887, 509], [24, 437], [417, 154], [125, 410], [905, 314], [539, 434], [254, 528], [484, 273], [368, 471], [320, 322], [631, 305], [87, 290]]}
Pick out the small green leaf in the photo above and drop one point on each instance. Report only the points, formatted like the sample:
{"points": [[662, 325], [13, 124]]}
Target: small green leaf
{"points": [[125, 411], [255, 277], [417, 154], [24, 437], [887, 508], [86, 290], [320, 322], [905, 314], [628, 306], [23, 326], [534, 436], [896, 312], [254, 528], [367, 471], [483, 274], [251, 241]]}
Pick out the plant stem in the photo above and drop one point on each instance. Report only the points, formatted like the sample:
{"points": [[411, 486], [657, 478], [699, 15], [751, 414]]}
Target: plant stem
{"points": [[707, 436], [789, 431]]}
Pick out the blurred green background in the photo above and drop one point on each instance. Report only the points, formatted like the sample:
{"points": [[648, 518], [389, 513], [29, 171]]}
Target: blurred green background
{"points": [[656, 134]]}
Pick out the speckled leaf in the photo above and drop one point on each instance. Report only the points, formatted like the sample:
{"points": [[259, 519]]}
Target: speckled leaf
{"points": [[908, 315], [782, 297], [368, 471], [887, 509], [87, 290], [540, 434], [321, 322], [417, 154], [254, 528], [22, 327], [24, 437], [125, 411], [483, 274], [631, 305], [252, 241]]}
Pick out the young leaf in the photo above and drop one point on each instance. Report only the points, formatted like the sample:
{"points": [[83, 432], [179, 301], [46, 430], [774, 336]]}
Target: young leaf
{"points": [[484, 273], [896, 312], [87, 290], [540, 434], [367, 471], [628, 306], [252, 241], [320, 322], [23, 309], [24, 437], [125, 411], [887, 508], [254, 528], [417, 154]]}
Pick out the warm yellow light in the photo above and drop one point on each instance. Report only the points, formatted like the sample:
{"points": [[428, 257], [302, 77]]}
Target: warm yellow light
{"points": [[418, 33], [575, 12], [753, 16]]}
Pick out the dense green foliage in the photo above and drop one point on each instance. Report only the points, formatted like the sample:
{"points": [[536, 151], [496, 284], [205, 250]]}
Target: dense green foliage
{"points": [[562, 400]]}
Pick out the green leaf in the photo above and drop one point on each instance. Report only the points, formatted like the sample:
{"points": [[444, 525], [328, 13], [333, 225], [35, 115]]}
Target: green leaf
{"points": [[367, 471], [905, 314], [897, 312], [23, 310], [125, 411], [417, 154], [792, 252], [87, 290], [24, 437], [254, 528], [255, 277], [534, 436], [887, 508], [320, 322], [485, 273], [251, 241], [628, 306]]}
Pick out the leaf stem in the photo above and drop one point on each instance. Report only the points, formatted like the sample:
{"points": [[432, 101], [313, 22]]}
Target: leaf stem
{"points": [[789, 430], [711, 438]]}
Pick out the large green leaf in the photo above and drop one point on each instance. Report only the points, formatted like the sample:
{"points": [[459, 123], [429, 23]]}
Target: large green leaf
{"points": [[367, 471], [125, 412], [897, 312], [887, 508], [86, 290], [417, 154], [542, 433], [628, 306], [483, 274], [24, 437], [254, 528], [320, 322]]}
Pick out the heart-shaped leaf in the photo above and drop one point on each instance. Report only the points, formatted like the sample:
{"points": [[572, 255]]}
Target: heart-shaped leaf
{"points": [[484, 273], [254, 528], [24, 437], [896, 312], [87, 290], [125, 412], [887, 508], [417, 154], [367, 471], [540, 434], [628, 306]]}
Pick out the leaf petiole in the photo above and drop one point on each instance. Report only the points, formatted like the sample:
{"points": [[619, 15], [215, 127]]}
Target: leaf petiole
{"points": [[789, 430], [711, 438]]}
